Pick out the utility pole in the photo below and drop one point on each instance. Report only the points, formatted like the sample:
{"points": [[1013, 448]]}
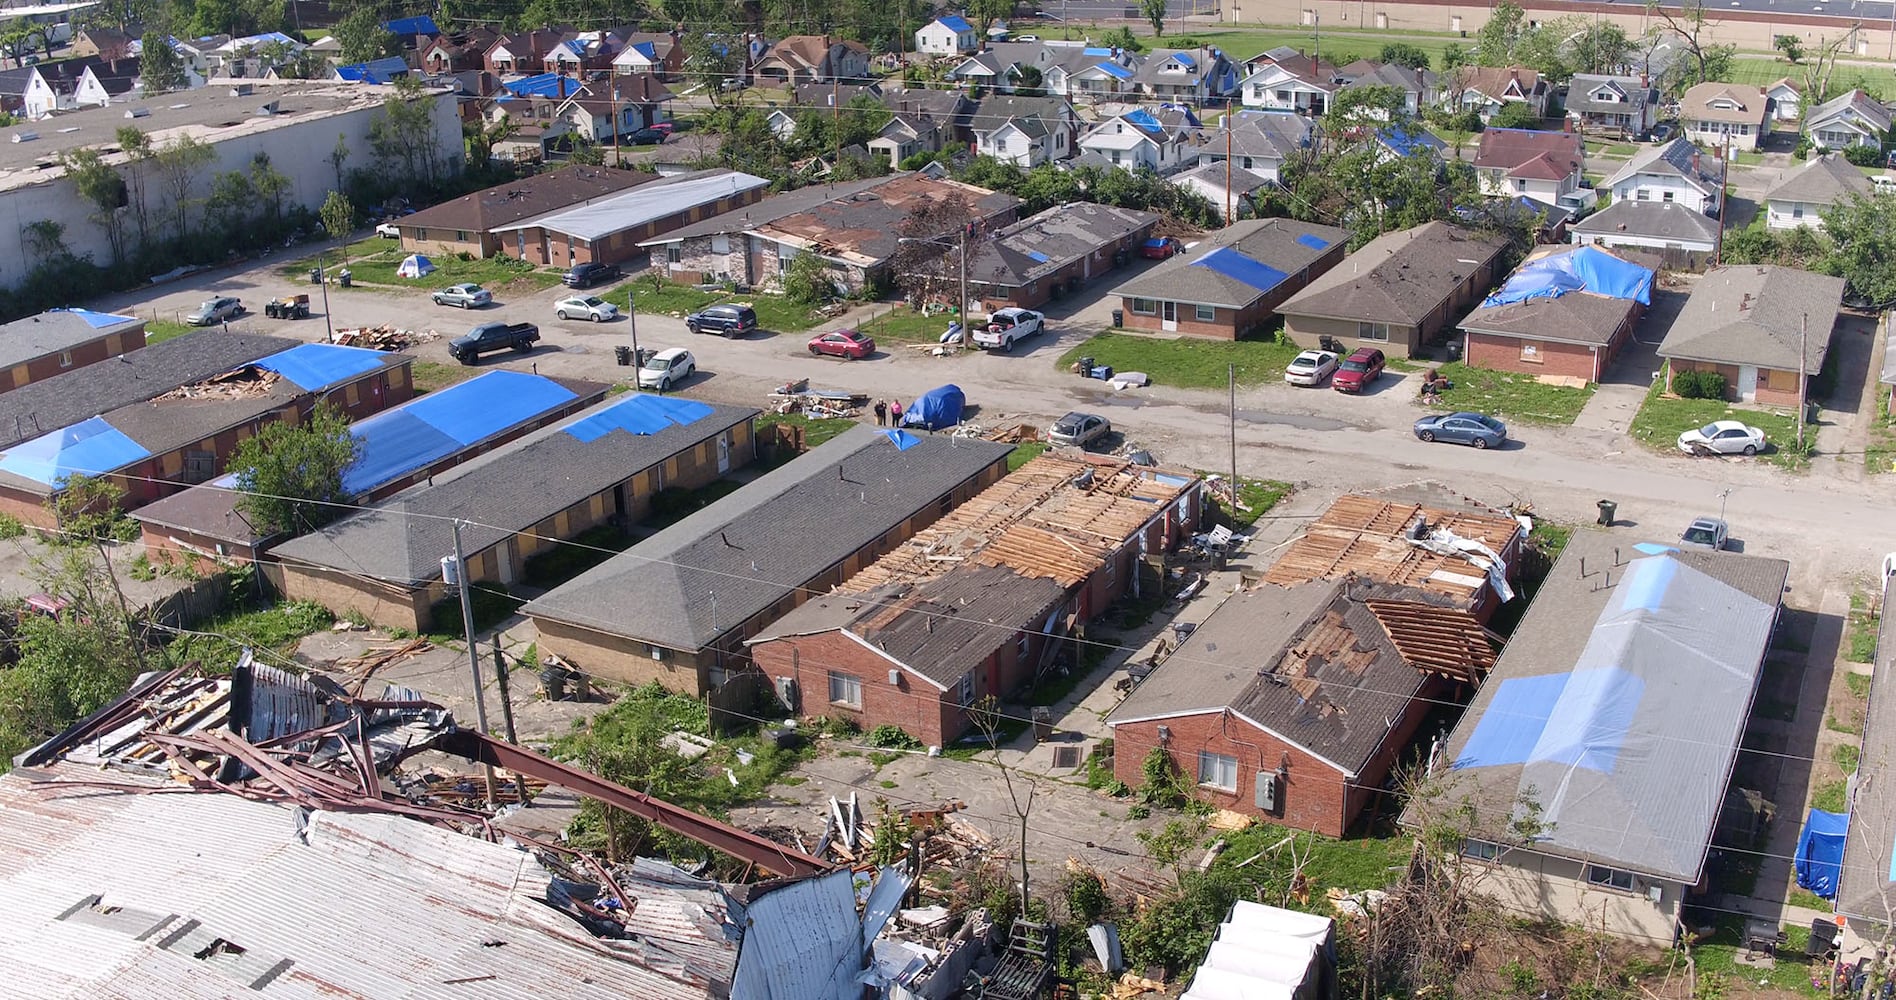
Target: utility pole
{"points": [[1232, 376], [466, 584], [1316, 34], [1724, 175], [967, 331], [1803, 377], [506, 702], [1229, 218]]}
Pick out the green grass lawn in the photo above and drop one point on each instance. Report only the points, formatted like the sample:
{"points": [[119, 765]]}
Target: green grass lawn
{"points": [[1025, 452], [902, 324], [158, 331], [1716, 960], [1660, 421], [1746, 158], [1188, 361], [1763, 70], [431, 376], [1860, 644], [373, 262], [1510, 396], [1880, 454], [774, 312], [816, 430], [1339, 46]]}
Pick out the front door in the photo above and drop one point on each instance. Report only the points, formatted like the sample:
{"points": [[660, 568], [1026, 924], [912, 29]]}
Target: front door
{"points": [[1168, 315], [1747, 383], [724, 453]]}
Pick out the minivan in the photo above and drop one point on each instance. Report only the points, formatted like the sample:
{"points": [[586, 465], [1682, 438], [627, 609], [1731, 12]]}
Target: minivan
{"points": [[1361, 368]]}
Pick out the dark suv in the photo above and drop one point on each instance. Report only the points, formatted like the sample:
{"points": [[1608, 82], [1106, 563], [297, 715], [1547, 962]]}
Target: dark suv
{"points": [[725, 320], [588, 275], [1358, 370]]}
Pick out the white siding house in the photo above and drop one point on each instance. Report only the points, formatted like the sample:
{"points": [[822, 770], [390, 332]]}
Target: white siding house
{"points": [[946, 36]]}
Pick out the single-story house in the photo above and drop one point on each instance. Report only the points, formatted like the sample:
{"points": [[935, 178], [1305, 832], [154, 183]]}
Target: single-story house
{"points": [[851, 225], [1398, 292], [472, 223], [1565, 311], [601, 467], [1232, 190], [948, 35], [1866, 887], [1649, 225], [1747, 322], [1851, 119], [979, 603], [1624, 106], [998, 65], [1544, 166], [1714, 113], [676, 607], [610, 229], [1486, 89], [1295, 704], [62, 340], [1676, 172], [1092, 73], [1594, 763], [401, 446], [520, 52], [186, 435], [1233, 281], [136, 376], [1044, 257], [1787, 100], [1801, 196]]}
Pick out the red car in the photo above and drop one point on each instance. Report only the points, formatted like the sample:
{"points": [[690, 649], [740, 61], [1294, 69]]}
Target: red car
{"points": [[1161, 248], [846, 344], [1361, 368]]}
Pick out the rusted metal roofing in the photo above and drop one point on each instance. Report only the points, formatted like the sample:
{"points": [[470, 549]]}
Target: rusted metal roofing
{"points": [[1368, 537]]}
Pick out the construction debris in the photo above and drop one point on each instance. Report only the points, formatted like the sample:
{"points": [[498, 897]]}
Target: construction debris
{"points": [[358, 669], [382, 338], [1015, 434], [238, 383], [798, 397]]}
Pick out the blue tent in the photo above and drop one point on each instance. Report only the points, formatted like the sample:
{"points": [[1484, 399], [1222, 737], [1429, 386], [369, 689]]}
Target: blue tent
{"points": [[1819, 858], [1583, 269], [935, 409]]}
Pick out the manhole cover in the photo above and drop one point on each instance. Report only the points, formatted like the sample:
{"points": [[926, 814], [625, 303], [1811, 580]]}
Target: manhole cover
{"points": [[1068, 757]]}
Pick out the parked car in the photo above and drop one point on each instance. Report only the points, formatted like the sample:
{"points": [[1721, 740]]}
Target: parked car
{"points": [[586, 307], [1161, 247], [467, 296], [1722, 437], [647, 137], [493, 337], [1477, 429], [846, 344], [215, 311], [588, 275], [1008, 327], [388, 231], [667, 368], [1358, 371], [729, 320], [1310, 368], [1661, 132], [1706, 533], [665, 127], [1079, 429]]}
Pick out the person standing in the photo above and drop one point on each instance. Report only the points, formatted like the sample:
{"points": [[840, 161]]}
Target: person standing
{"points": [[895, 413], [882, 413]]}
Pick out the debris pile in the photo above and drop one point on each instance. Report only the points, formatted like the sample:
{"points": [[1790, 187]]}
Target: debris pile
{"points": [[383, 337], [238, 383], [358, 669], [1014, 434], [798, 397]]}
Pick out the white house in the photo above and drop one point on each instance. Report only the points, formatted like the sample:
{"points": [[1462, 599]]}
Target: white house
{"points": [[904, 136], [1025, 141], [999, 67], [1187, 74], [1525, 163], [1209, 180], [782, 124], [1718, 113], [1621, 105], [1275, 87], [949, 35], [1800, 198], [1852, 119], [1787, 101], [1258, 141], [1675, 173], [1093, 73], [100, 85], [1164, 140], [1418, 86]]}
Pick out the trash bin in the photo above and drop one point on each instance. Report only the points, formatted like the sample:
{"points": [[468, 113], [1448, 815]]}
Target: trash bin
{"points": [[343, 277], [553, 682], [623, 354], [1086, 366], [1043, 724], [643, 355], [582, 687], [315, 275], [1454, 350], [1119, 317], [1607, 509], [1810, 412]]}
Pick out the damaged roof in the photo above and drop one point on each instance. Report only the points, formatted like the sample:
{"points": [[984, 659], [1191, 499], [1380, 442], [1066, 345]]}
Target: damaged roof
{"points": [[1370, 537], [1399, 277], [861, 228], [1033, 248]]}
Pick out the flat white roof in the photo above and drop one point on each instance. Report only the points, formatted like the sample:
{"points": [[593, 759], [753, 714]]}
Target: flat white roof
{"points": [[640, 205]]}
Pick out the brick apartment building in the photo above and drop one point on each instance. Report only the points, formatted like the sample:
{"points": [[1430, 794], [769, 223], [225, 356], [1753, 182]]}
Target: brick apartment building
{"points": [[61, 340], [1565, 311], [472, 223], [1398, 292], [1231, 284]]}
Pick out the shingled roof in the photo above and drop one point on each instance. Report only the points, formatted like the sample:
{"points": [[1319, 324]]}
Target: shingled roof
{"points": [[1398, 277], [501, 204], [1751, 314]]}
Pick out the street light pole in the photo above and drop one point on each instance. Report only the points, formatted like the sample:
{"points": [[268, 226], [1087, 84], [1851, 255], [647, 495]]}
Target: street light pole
{"points": [[1803, 378], [473, 655]]}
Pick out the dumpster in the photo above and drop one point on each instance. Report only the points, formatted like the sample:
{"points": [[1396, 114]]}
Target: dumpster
{"points": [[1043, 724], [1607, 509], [1119, 317], [623, 354]]}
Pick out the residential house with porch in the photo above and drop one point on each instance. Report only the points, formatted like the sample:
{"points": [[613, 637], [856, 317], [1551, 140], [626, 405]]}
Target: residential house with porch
{"points": [[1418, 86], [1257, 141], [1164, 140], [906, 135], [1675, 173], [1092, 74], [1851, 119], [1800, 198], [1766, 329], [1398, 292], [617, 106], [579, 53], [1544, 166], [1192, 76], [999, 66], [520, 53], [1622, 106], [1717, 114], [1304, 88], [1486, 89], [916, 639], [812, 58], [1024, 131], [1566, 311], [655, 53], [948, 35], [459, 52], [1234, 281]]}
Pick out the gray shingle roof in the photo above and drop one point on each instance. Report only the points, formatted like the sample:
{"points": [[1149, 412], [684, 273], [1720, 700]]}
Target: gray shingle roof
{"points": [[1872, 110], [502, 492], [1397, 277], [1270, 134], [1060, 235], [1678, 158], [1272, 242], [58, 330], [84, 393], [775, 207], [1573, 318], [1751, 314], [1629, 765], [1658, 220], [686, 586], [1826, 180], [1632, 96], [1866, 890]]}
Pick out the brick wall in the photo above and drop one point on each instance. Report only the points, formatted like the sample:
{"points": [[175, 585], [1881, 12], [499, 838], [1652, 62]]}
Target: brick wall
{"points": [[1230, 324], [1506, 354], [388, 605], [548, 248], [89, 353]]}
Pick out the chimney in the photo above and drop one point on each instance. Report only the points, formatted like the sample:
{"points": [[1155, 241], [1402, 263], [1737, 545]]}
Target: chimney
{"points": [[1695, 161], [1645, 81]]}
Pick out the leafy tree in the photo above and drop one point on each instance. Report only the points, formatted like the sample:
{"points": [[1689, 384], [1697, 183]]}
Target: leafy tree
{"points": [[1694, 26], [1791, 46], [1453, 57], [1028, 82], [100, 185], [1497, 40], [1404, 54], [711, 59], [404, 132], [160, 67], [1154, 12], [363, 38], [339, 157], [986, 12], [1864, 231], [136, 146], [1514, 114], [1354, 106], [178, 163], [807, 282], [338, 217], [270, 185], [230, 202], [1596, 46], [290, 475]]}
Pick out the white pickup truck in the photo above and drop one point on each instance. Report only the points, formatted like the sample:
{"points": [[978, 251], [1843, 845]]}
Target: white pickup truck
{"points": [[1008, 327]]}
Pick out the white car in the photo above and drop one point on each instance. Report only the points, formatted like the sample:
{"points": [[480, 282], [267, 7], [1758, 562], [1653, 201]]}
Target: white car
{"points": [[1008, 327], [388, 231], [667, 368], [1310, 368], [1722, 437], [586, 307]]}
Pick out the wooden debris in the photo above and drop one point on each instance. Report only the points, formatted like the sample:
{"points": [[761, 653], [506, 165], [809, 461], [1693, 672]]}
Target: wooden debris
{"points": [[381, 338], [1132, 985], [238, 383], [360, 668], [1015, 434]]}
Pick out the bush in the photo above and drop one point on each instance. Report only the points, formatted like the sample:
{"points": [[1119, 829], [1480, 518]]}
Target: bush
{"points": [[892, 737], [1802, 149], [1698, 385], [1165, 784], [1864, 156]]}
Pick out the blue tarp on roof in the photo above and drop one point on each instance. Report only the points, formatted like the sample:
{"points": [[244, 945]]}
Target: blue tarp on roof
{"points": [[91, 448], [903, 439], [543, 85], [638, 413], [399, 441], [1405, 142], [1579, 719], [1096, 51], [422, 25], [1184, 59], [1116, 71], [955, 24], [1237, 266], [646, 49], [1144, 120], [1038, 257], [96, 320], [313, 366], [1313, 242], [1819, 858], [1191, 117], [1584, 269]]}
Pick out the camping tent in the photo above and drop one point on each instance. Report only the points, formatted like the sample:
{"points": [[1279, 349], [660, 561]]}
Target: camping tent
{"points": [[937, 408], [415, 266], [1820, 852]]}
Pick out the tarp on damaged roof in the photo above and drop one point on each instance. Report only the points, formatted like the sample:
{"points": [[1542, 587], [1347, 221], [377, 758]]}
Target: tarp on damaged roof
{"points": [[1585, 269]]}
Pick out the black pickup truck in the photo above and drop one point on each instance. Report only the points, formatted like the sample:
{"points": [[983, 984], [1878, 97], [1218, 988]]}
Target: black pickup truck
{"points": [[492, 337]]}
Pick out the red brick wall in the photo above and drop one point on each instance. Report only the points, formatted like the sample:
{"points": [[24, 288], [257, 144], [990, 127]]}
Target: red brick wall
{"points": [[1504, 354], [90, 353], [915, 705], [1230, 324]]}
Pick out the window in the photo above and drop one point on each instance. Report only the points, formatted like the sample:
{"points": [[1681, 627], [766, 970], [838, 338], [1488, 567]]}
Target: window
{"points": [[1480, 849], [720, 244], [65, 359], [1020, 648], [1206, 313], [460, 236], [1000, 144], [674, 253], [1530, 352], [1215, 770], [1797, 210], [965, 690], [1610, 878], [1372, 331], [1669, 195], [845, 689], [1643, 195], [1257, 91], [1115, 156], [1145, 307], [1247, 163]]}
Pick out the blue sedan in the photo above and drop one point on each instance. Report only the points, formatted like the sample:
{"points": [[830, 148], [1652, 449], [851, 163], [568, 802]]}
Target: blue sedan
{"points": [[1462, 428]]}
